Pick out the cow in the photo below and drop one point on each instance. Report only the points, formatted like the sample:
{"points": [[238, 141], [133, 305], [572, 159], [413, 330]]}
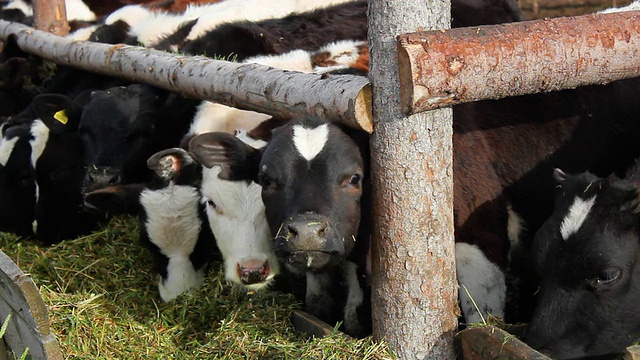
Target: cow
{"points": [[42, 172], [312, 176], [586, 257], [305, 31], [122, 127], [172, 219]]}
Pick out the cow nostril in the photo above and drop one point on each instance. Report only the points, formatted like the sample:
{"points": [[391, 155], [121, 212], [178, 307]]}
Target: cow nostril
{"points": [[293, 230], [322, 229]]}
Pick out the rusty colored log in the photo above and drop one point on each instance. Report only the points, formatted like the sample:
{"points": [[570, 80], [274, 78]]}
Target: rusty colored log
{"points": [[443, 68], [285, 94], [51, 16], [490, 342]]}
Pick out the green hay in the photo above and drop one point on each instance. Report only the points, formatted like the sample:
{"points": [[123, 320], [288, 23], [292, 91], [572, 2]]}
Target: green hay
{"points": [[104, 304]]}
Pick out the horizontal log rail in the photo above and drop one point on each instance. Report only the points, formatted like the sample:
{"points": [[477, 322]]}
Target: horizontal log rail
{"points": [[443, 68], [284, 94]]}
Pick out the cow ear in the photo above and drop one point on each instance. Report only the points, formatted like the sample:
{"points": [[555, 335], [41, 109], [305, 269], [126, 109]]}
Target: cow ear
{"points": [[238, 160], [168, 163], [116, 199], [559, 175], [58, 112]]}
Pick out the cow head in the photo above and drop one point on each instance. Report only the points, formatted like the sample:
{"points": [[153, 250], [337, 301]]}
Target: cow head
{"points": [[586, 255], [310, 175], [117, 129], [236, 215]]}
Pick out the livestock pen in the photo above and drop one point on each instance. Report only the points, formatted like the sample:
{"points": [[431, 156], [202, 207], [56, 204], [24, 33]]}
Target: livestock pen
{"points": [[215, 286]]}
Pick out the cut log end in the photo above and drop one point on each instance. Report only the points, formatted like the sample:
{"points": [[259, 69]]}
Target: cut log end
{"points": [[363, 109]]}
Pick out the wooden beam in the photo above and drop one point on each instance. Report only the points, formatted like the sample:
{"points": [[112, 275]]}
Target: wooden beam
{"points": [[285, 94], [51, 16], [443, 68], [490, 342]]}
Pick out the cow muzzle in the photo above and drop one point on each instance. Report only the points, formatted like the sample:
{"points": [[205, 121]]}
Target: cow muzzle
{"points": [[309, 242], [98, 177]]}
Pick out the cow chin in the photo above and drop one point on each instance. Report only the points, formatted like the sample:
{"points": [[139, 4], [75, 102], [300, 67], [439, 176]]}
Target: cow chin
{"points": [[304, 261]]}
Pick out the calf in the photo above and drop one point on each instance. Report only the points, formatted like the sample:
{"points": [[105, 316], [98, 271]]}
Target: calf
{"points": [[172, 218], [123, 126], [42, 171], [586, 255], [312, 178]]}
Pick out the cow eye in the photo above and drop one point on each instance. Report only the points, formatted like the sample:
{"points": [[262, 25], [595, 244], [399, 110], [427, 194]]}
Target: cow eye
{"points": [[268, 184], [606, 277], [355, 179], [212, 204]]}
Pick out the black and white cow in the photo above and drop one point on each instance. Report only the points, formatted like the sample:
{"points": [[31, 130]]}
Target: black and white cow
{"points": [[172, 217], [42, 172], [587, 258], [312, 176]]}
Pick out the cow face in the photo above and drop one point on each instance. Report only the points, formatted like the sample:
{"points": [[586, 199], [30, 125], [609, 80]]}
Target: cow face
{"points": [[236, 216], [117, 128], [586, 255], [311, 177]]}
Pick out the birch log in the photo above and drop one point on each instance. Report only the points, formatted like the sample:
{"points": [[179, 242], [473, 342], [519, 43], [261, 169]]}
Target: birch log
{"points": [[279, 93], [492, 62], [414, 294]]}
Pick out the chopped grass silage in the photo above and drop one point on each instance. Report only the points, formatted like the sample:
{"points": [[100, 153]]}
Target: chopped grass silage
{"points": [[104, 304]]}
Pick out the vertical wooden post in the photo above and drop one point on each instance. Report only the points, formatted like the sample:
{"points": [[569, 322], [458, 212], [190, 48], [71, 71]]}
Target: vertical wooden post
{"points": [[51, 16], [414, 281]]}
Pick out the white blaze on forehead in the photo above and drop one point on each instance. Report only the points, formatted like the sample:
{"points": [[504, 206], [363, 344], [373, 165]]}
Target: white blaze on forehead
{"points": [[40, 134], [310, 142], [576, 216]]}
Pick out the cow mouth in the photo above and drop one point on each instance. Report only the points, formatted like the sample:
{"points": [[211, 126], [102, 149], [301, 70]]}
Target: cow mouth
{"points": [[253, 276], [310, 259]]}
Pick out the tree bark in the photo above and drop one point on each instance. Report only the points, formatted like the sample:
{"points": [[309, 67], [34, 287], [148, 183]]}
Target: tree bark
{"points": [[492, 62], [284, 94], [51, 16], [414, 293]]}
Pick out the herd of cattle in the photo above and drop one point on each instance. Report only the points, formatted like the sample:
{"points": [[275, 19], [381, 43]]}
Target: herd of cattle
{"points": [[546, 186]]}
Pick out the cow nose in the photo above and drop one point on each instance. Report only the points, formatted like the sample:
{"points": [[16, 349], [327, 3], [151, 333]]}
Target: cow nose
{"points": [[303, 228], [253, 272], [103, 176]]}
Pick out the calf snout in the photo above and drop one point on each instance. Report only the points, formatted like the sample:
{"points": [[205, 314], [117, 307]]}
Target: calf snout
{"points": [[253, 272], [101, 176], [308, 241]]}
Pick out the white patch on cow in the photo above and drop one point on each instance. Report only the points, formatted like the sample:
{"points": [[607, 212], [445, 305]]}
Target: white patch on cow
{"points": [[131, 14], [355, 296], [20, 5], [212, 117], [82, 34], [254, 143], [237, 219], [631, 7], [482, 284], [515, 226], [40, 136], [344, 53], [576, 215], [78, 10], [296, 60], [6, 148], [310, 142], [157, 25], [34, 226], [173, 224], [253, 10]]}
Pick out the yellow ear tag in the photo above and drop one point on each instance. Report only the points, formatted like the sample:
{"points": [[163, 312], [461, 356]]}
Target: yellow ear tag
{"points": [[61, 116]]}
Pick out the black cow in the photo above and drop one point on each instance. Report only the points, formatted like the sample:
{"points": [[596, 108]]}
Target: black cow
{"points": [[123, 126], [586, 255], [312, 176]]}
